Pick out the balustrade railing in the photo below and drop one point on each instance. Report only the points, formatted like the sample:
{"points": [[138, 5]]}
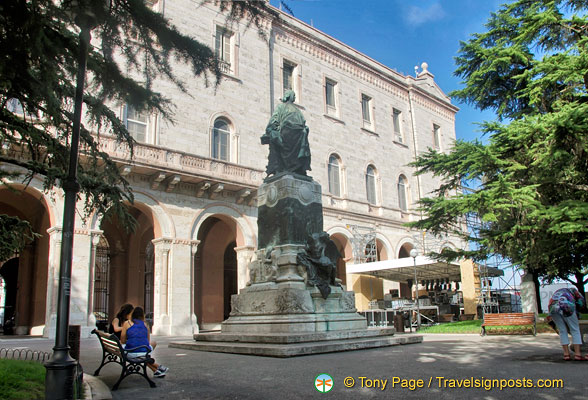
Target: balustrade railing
{"points": [[185, 163]]}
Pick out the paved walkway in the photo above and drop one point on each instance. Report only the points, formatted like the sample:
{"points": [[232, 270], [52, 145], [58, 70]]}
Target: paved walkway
{"points": [[441, 360]]}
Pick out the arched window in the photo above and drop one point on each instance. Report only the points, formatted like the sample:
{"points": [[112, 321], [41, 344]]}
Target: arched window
{"points": [[334, 176], [402, 199], [137, 123], [220, 140], [370, 184]]}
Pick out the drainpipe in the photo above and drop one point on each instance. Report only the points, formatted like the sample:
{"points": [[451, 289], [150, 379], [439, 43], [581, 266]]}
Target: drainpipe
{"points": [[271, 67], [415, 153], [414, 141]]}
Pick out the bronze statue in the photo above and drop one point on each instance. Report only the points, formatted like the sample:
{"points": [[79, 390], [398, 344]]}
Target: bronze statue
{"points": [[287, 136], [319, 257]]}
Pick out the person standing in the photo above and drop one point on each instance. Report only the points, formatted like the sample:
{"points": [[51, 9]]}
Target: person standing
{"points": [[564, 309]]}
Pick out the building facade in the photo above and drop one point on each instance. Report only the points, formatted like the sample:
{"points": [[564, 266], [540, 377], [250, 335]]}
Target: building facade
{"points": [[195, 179]]}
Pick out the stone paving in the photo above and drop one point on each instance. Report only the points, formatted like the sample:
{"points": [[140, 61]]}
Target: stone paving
{"points": [[441, 360]]}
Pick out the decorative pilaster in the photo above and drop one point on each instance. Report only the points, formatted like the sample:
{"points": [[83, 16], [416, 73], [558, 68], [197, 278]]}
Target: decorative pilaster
{"points": [[52, 281], [161, 321], [180, 304], [193, 319], [95, 240], [81, 281]]}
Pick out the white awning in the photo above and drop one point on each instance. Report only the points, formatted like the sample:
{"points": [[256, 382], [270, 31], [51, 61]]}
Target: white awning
{"points": [[402, 269]]}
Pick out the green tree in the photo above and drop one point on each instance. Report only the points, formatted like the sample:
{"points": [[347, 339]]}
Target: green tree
{"points": [[528, 186], [135, 46]]}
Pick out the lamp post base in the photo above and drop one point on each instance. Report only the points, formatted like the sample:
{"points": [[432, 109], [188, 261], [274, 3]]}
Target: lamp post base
{"points": [[60, 378]]}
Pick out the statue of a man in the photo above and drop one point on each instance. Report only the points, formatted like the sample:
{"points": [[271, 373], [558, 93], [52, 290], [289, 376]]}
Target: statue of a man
{"points": [[287, 136]]}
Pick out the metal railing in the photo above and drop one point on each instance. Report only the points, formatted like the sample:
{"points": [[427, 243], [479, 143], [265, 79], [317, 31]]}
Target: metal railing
{"points": [[24, 355]]}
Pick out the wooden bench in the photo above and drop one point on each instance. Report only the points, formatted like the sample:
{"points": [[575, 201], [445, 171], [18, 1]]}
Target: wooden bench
{"points": [[112, 351], [509, 319]]}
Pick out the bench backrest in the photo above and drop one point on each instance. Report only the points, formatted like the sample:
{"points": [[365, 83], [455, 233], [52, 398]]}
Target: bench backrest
{"points": [[109, 342], [509, 318]]}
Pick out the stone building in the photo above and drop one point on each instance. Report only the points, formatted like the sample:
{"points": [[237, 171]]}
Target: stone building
{"points": [[195, 180]]}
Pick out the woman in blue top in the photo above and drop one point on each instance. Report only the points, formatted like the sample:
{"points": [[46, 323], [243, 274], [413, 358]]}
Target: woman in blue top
{"points": [[136, 334], [564, 307]]}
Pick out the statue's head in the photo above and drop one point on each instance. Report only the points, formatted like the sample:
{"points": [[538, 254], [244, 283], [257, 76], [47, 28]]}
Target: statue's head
{"points": [[289, 96]]}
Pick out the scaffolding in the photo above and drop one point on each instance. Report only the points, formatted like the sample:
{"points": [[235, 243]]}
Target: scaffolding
{"points": [[495, 294], [364, 248], [363, 244]]}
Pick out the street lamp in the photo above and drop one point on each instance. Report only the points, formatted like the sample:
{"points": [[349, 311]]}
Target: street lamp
{"points": [[414, 253], [60, 375]]}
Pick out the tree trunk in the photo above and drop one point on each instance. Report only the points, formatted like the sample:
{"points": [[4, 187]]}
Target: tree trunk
{"points": [[580, 283], [537, 292]]}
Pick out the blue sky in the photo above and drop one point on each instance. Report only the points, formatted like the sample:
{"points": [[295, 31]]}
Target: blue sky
{"points": [[403, 33]]}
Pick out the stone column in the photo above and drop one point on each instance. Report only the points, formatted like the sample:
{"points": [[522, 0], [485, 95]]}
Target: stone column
{"points": [[244, 257], [161, 321], [468, 287], [528, 293], [52, 281]]}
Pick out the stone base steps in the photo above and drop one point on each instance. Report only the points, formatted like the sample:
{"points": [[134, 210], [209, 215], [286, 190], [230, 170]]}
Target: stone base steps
{"points": [[292, 345], [293, 337]]}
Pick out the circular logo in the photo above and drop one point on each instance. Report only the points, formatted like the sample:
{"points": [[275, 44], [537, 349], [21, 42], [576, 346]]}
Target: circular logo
{"points": [[323, 383]]}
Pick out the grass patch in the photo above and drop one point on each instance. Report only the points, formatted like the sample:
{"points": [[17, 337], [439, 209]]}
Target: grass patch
{"points": [[22, 380], [582, 316], [475, 326], [472, 326]]}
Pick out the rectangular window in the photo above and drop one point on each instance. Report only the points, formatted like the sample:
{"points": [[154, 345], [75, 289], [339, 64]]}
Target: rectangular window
{"points": [[288, 75], [366, 111], [220, 145], [136, 123], [436, 136], [222, 48], [334, 184], [396, 121], [330, 93], [371, 189]]}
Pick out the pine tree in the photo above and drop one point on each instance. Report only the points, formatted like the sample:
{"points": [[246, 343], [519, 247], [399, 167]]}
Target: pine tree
{"points": [[132, 47], [528, 185]]}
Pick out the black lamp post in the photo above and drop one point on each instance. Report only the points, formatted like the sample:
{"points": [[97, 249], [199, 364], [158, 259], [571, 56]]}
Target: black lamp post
{"points": [[61, 368]]}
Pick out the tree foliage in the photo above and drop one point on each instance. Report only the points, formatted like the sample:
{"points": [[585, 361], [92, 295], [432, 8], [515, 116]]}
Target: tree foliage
{"points": [[133, 48], [528, 186]]}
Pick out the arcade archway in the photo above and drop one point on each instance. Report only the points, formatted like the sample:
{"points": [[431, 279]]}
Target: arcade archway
{"points": [[25, 275], [344, 246], [125, 260], [215, 272]]}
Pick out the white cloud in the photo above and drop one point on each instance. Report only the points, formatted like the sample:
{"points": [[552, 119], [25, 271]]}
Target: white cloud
{"points": [[416, 16]]}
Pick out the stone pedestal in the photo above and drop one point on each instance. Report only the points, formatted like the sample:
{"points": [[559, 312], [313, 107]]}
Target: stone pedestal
{"points": [[289, 210], [280, 313]]}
